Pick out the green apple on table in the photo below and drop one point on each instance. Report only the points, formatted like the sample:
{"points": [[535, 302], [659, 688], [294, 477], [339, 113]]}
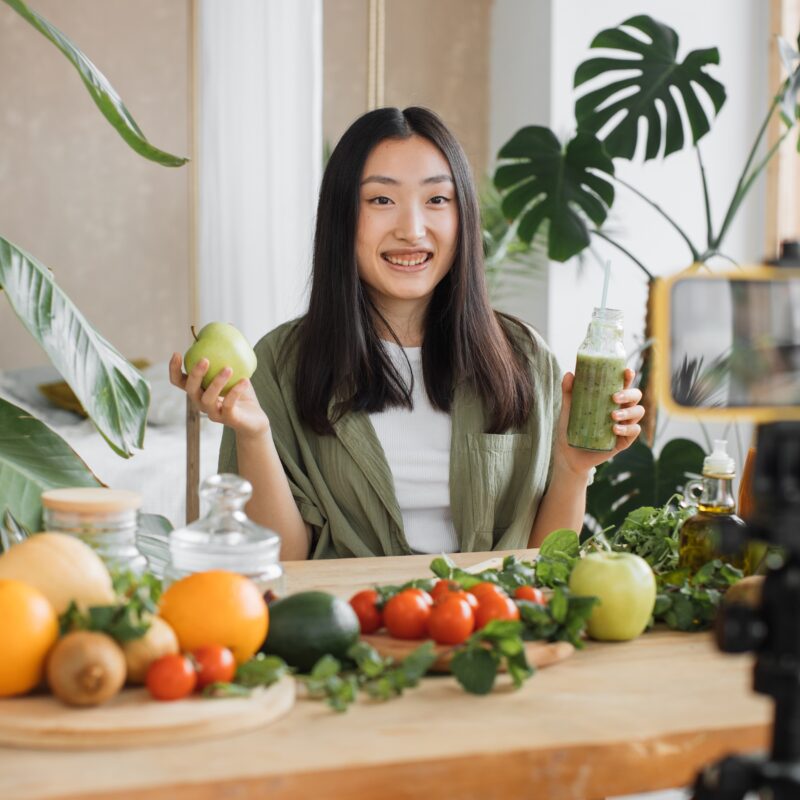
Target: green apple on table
{"points": [[626, 587], [223, 346]]}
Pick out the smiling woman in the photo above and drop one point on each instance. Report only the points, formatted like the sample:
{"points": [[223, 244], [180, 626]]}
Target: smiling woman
{"points": [[401, 413]]}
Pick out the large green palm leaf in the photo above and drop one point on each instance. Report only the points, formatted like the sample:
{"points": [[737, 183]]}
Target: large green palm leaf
{"points": [[112, 391], [102, 92], [33, 459], [563, 187], [650, 94]]}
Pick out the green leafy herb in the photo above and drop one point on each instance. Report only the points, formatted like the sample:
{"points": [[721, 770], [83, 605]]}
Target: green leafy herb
{"points": [[653, 534], [563, 619], [689, 603], [380, 678], [557, 556], [220, 689], [125, 620], [261, 670], [477, 662]]}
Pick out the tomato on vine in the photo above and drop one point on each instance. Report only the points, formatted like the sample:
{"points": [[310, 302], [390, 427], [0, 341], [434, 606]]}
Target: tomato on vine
{"points": [[365, 604]]}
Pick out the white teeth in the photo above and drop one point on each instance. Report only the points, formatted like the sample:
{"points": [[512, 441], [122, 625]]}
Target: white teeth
{"points": [[404, 263]]}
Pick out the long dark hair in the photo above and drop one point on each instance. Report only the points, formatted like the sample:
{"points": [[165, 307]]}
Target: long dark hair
{"points": [[340, 355]]}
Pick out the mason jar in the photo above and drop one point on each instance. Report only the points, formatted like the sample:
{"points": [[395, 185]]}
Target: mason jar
{"points": [[105, 519]]}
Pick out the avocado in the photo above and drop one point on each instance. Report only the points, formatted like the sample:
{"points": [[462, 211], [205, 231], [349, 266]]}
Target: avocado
{"points": [[305, 626]]}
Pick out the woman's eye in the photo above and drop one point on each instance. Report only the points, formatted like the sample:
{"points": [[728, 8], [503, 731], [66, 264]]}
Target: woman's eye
{"points": [[382, 200], [440, 200]]}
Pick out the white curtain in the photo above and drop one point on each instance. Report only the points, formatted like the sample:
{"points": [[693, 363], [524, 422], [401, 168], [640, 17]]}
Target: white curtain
{"points": [[259, 159]]}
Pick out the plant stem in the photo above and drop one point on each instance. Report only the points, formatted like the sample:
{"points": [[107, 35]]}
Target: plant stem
{"points": [[709, 228], [737, 194], [667, 217], [742, 193], [633, 258]]}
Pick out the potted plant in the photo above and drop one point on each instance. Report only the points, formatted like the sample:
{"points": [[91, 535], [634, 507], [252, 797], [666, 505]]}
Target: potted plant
{"points": [[111, 390]]}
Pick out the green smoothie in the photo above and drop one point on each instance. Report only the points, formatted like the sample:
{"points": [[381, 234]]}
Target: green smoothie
{"points": [[597, 378]]}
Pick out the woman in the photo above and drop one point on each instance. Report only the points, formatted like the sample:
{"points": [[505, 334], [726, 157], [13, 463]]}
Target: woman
{"points": [[402, 414]]}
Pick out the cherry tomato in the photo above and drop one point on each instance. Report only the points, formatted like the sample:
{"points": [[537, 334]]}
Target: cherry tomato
{"points": [[365, 604], [442, 589], [530, 593], [213, 663], [171, 677], [451, 620], [406, 614], [495, 606], [487, 587], [469, 597], [423, 594]]}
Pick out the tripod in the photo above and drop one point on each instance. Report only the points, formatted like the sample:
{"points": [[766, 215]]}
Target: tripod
{"points": [[771, 630]]}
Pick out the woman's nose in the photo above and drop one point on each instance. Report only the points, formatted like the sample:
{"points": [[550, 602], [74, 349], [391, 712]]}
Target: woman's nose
{"points": [[410, 224]]}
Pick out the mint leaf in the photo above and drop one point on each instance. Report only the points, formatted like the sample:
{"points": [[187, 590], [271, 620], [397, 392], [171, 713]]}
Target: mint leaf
{"points": [[559, 605], [561, 542], [261, 670], [475, 669], [222, 689]]}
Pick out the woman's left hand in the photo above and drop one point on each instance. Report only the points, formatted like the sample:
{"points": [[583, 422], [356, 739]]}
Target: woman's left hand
{"points": [[625, 420]]}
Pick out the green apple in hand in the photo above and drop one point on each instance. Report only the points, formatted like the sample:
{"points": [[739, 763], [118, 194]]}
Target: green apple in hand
{"points": [[223, 346], [626, 587]]}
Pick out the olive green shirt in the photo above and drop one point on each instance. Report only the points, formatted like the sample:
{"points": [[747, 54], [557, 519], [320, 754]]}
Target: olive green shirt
{"points": [[342, 483]]}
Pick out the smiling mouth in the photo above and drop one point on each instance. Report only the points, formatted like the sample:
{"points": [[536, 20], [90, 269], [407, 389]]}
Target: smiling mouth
{"points": [[410, 261]]}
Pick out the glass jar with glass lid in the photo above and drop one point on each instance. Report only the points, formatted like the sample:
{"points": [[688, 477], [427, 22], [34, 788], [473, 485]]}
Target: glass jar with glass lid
{"points": [[105, 519], [226, 539]]}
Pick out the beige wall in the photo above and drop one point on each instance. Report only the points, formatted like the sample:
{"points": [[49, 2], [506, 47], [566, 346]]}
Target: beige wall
{"points": [[437, 55], [112, 226]]}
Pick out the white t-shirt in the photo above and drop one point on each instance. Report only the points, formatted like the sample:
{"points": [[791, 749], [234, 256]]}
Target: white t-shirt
{"points": [[417, 447]]}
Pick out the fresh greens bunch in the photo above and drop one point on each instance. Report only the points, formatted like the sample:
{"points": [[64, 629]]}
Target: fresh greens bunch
{"points": [[558, 554], [688, 602], [381, 678], [563, 619], [129, 618], [512, 574], [653, 534], [477, 662]]}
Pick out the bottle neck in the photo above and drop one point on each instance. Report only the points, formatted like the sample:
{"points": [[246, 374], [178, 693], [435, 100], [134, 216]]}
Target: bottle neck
{"points": [[717, 497]]}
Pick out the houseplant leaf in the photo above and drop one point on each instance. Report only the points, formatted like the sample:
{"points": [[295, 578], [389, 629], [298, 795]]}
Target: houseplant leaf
{"points": [[32, 459], [101, 91], [560, 186], [648, 93], [112, 391], [634, 478]]}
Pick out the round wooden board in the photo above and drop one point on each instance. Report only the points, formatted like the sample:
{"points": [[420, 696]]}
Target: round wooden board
{"points": [[134, 719], [539, 654]]}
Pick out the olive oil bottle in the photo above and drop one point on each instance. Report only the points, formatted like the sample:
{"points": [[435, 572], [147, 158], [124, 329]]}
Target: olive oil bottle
{"points": [[699, 534]]}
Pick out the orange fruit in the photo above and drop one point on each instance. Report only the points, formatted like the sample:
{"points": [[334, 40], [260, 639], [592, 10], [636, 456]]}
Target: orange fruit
{"points": [[28, 629], [216, 607]]}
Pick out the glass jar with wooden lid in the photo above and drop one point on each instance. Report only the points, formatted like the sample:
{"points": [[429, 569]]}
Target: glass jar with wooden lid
{"points": [[105, 519]]}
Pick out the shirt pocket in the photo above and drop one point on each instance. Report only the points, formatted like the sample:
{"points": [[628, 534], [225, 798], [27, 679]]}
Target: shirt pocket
{"points": [[500, 468]]}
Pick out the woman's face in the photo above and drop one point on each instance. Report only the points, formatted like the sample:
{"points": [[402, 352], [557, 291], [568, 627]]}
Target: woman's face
{"points": [[407, 222]]}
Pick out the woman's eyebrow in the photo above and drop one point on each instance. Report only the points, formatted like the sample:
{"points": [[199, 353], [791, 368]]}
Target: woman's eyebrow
{"points": [[393, 182]]}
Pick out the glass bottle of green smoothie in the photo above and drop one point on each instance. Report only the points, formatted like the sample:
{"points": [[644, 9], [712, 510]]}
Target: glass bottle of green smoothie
{"points": [[599, 374]]}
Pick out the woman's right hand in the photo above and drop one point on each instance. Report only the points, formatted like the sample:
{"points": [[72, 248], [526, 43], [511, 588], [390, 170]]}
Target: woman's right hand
{"points": [[239, 409]]}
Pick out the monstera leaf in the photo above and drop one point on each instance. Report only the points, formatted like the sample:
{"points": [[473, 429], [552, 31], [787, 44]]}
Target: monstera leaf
{"points": [[32, 459], [112, 391], [650, 92], [562, 186], [102, 92], [634, 478]]}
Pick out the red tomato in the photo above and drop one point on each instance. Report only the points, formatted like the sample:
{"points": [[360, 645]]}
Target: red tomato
{"points": [[406, 614], [487, 587], [469, 597], [442, 589], [451, 621], [530, 593], [171, 677], [213, 663], [365, 604], [495, 606]]}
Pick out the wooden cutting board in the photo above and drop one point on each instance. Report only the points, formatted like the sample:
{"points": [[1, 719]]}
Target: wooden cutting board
{"points": [[134, 719], [539, 654]]}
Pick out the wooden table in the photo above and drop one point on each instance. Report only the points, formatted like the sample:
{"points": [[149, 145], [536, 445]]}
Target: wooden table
{"points": [[613, 719]]}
